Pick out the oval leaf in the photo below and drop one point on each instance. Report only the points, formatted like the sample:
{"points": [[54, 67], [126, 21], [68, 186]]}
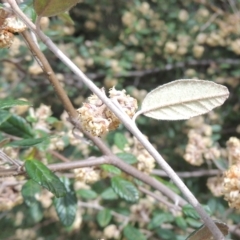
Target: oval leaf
{"points": [[26, 142], [11, 103], [50, 8], [125, 189], [27, 8], [66, 206], [180, 221], [159, 219], [183, 99], [166, 234], [111, 169], [29, 190], [4, 116], [104, 217], [87, 194], [36, 212], [109, 194], [131, 233], [190, 211], [127, 157], [38, 172], [203, 232], [17, 126], [120, 140]]}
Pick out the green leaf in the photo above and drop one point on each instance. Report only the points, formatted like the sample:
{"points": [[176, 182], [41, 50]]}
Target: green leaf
{"points": [[207, 209], [180, 221], [27, 142], [170, 185], [166, 234], [66, 206], [50, 8], [125, 189], [11, 103], [127, 157], [221, 163], [66, 18], [111, 169], [17, 126], [38, 172], [36, 212], [159, 219], [109, 194], [87, 194], [27, 8], [132, 233], [120, 140], [104, 217], [4, 116], [189, 211], [29, 190], [193, 223]]}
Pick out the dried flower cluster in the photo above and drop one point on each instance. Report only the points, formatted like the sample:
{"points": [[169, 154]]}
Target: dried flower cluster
{"points": [[10, 195], [88, 175], [143, 208], [231, 186], [215, 185], [146, 162], [233, 150], [97, 119], [111, 232], [9, 25], [200, 146]]}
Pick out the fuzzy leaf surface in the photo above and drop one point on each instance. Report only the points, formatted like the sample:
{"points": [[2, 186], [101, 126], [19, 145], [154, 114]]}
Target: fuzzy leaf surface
{"points": [[183, 99]]}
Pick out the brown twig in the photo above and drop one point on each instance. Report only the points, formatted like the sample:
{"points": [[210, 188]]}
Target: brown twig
{"points": [[199, 173], [161, 199], [59, 156], [95, 205], [115, 161], [50, 74], [6, 158], [167, 67]]}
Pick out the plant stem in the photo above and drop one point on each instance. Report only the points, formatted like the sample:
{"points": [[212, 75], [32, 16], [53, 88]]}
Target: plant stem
{"points": [[113, 160], [50, 74]]}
